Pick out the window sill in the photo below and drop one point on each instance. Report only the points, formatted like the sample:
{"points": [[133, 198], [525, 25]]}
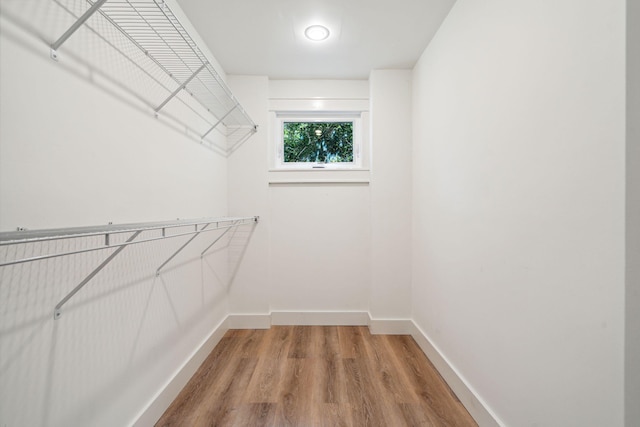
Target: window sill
{"points": [[311, 170], [319, 176]]}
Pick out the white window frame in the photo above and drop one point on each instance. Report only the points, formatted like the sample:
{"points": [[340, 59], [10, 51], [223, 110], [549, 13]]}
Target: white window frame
{"points": [[318, 116]]}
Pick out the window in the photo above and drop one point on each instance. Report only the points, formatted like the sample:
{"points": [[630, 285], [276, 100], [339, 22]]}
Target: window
{"points": [[318, 141]]}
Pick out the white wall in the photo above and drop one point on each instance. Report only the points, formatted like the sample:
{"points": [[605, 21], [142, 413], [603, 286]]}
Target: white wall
{"points": [[312, 252], [72, 154], [518, 193], [632, 353], [248, 192], [319, 233], [390, 194], [320, 240], [314, 239], [328, 241]]}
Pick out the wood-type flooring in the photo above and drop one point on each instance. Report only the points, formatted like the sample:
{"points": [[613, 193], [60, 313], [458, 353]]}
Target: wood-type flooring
{"points": [[316, 376]]}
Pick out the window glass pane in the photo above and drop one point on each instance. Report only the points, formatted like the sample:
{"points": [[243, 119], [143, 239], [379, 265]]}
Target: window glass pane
{"points": [[324, 142]]}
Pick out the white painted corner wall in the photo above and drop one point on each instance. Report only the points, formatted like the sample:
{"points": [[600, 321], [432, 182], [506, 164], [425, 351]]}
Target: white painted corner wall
{"points": [[390, 294], [518, 206]]}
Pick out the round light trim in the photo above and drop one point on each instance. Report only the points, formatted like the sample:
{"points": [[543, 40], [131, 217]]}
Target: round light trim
{"points": [[317, 33]]}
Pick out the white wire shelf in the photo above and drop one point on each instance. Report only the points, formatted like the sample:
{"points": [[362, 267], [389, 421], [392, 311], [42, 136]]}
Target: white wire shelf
{"points": [[141, 46], [180, 228]]}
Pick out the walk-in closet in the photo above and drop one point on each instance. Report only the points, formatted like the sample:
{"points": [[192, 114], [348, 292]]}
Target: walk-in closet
{"points": [[319, 213]]}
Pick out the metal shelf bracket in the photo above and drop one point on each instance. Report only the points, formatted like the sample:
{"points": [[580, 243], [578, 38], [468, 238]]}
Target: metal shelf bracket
{"points": [[219, 121], [197, 233], [73, 28], [217, 239], [57, 310], [182, 86]]}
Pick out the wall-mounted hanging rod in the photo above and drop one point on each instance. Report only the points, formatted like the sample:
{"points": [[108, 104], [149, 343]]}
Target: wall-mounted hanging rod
{"points": [[36, 236], [31, 236]]}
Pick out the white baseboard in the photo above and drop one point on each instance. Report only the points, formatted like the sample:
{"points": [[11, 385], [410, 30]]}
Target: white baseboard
{"points": [[476, 407], [390, 326], [320, 318], [161, 401], [249, 321]]}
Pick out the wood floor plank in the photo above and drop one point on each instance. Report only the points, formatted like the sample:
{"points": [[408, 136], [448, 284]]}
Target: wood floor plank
{"points": [[264, 386], [224, 400], [316, 376], [362, 395], [277, 342], [193, 397], [330, 344], [352, 342], [306, 342], [429, 385], [255, 415], [291, 396], [252, 343], [336, 415], [332, 381], [415, 414], [388, 370], [300, 340]]}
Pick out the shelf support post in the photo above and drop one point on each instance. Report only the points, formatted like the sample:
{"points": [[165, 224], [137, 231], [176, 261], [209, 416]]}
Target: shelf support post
{"points": [[73, 28], [219, 121], [181, 248], [57, 310], [182, 86]]}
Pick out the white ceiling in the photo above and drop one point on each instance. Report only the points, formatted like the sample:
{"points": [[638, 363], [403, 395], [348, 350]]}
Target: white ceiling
{"points": [[266, 37]]}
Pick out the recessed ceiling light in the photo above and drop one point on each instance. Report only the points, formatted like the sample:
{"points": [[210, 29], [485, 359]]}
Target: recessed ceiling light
{"points": [[316, 33]]}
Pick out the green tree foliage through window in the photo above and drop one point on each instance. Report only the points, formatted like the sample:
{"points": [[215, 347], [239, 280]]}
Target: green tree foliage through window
{"points": [[325, 142]]}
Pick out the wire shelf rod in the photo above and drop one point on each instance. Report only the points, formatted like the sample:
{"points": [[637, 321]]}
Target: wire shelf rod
{"points": [[97, 248], [32, 236]]}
